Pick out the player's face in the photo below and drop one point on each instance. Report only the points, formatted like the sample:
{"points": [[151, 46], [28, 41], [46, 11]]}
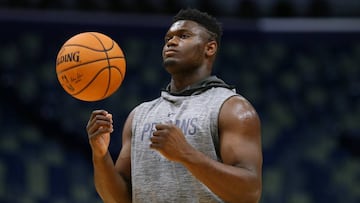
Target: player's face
{"points": [[184, 47]]}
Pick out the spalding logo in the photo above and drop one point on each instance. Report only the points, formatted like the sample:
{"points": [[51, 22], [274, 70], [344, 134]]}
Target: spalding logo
{"points": [[68, 57]]}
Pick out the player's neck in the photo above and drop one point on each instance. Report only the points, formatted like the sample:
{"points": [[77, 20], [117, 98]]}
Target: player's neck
{"points": [[182, 83]]}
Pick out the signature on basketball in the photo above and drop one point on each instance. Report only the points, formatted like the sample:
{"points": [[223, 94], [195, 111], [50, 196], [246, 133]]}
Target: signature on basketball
{"points": [[70, 79], [75, 78]]}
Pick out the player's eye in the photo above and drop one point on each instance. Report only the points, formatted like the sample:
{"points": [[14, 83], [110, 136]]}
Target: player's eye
{"points": [[167, 38], [184, 36]]}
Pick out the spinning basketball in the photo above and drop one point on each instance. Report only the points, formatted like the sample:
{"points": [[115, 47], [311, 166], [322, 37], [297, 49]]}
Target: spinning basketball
{"points": [[90, 66]]}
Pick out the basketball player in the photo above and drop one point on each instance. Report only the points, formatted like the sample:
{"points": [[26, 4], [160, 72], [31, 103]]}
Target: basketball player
{"points": [[198, 142]]}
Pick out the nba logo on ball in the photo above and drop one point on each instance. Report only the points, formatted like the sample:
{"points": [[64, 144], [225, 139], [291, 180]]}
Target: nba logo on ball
{"points": [[90, 66]]}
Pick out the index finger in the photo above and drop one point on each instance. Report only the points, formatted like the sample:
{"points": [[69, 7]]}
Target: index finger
{"points": [[97, 112]]}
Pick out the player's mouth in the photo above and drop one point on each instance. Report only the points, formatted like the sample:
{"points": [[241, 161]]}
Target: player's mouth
{"points": [[170, 52]]}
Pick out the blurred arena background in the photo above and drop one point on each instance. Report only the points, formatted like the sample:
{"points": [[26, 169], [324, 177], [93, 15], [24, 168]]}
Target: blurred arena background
{"points": [[297, 61]]}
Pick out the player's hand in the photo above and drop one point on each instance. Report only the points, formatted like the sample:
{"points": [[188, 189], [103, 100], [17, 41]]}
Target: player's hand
{"points": [[98, 128], [170, 141]]}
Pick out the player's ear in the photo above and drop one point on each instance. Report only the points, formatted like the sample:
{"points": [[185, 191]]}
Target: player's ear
{"points": [[211, 48]]}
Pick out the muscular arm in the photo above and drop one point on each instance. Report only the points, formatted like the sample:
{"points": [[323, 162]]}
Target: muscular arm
{"points": [[238, 178], [111, 181]]}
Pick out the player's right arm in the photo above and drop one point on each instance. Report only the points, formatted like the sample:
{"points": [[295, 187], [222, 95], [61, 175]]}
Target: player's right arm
{"points": [[112, 181]]}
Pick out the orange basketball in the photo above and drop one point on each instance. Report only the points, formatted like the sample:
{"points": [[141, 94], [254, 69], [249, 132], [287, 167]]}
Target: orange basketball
{"points": [[90, 66]]}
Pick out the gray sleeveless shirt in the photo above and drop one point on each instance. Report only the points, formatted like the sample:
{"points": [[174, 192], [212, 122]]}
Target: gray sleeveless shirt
{"points": [[156, 179]]}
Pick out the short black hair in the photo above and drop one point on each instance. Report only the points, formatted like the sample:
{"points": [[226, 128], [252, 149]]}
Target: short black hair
{"points": [[202, 18]]}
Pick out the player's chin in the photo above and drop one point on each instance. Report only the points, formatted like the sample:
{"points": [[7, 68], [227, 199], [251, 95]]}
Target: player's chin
{"points": [[168, 62]]}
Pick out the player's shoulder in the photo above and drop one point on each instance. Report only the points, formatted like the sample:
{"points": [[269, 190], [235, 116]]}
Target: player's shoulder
{"points": [[239, 105], [238, 99]]}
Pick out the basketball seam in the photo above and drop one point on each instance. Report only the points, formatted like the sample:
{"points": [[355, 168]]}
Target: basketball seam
{"points": [[93, 49], [108, 62], [76, 66]]}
